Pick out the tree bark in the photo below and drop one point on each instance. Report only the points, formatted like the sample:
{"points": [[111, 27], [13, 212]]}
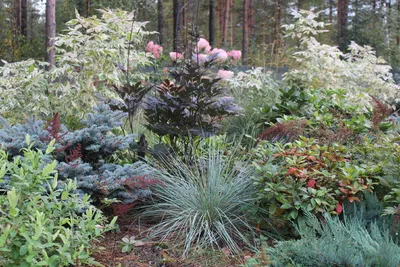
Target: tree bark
{"points": [[220, 10], [225, 23], [330, 11], [50, 31], [177, 34], [265, 23], [24, 18], [398, 23], [277, 40], [160, 21], [88, 5], [245, 31], [232, 22], [251, 20], [211, 23], [343, 13]]}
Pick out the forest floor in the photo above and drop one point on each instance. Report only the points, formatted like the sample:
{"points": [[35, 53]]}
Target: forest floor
{"points": [[151, 253]]}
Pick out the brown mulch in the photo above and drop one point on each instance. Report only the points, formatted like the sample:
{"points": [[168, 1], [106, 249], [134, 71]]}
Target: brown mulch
{"points": [[151, 253]]}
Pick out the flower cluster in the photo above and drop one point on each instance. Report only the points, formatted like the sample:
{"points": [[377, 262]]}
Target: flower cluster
{"points": [[204, 52], [175, 56], [155, 49]]}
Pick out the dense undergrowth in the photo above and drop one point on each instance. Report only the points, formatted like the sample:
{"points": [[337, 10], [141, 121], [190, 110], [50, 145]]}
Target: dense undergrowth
{"points": [[213, 159]]}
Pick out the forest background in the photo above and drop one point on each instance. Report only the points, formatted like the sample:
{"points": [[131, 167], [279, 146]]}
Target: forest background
{"points": [[252, 26]]}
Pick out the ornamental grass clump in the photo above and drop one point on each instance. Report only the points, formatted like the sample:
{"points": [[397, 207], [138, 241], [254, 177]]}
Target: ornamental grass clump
{"points": [[204, 204]]}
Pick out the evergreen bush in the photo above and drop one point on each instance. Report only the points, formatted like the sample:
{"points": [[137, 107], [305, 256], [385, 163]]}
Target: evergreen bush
{"points": [[332, 242], [82, 154]]}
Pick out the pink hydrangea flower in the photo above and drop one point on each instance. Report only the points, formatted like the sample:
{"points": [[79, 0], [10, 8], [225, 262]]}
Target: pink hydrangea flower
{"points": [[156, 50], [149, 47], [220, 54], [235, 54], [225, 74], [175, 56], [200, 58], [203, 44]]}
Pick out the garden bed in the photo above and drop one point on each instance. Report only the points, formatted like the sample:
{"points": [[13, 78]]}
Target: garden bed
{"points": [[151, 253]]}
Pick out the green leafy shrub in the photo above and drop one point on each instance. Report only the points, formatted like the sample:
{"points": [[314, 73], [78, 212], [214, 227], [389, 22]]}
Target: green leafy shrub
{"points": [[360, 72], [327, 115], [384, 152], [93, 55], [306, 175], [42, 225], [204, 203]]}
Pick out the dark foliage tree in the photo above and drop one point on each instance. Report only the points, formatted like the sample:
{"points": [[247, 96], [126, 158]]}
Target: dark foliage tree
{"points": [[192, 106]]}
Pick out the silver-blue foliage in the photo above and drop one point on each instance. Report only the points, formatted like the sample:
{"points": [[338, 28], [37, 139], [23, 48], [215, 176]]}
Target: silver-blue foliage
{"points": [[82, 154]]}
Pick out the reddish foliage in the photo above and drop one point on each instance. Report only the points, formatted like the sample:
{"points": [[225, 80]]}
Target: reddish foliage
{"points": [[141, 182], [342, 135], [288, 129], [380, 113], [339, 208], [120, 209], [311, 183], [74, 154], [53, 127]]}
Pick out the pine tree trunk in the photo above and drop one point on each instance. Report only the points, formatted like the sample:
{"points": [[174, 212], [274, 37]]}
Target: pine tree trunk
{"points": [[245, 31], [232, 22], [88, 5], [343, 13], [220, 19], [398, 23], [50, 31], [177, 34], [265, 23], [225, 23], [251, 21], [330, 11], [160, 21], [211, 23], [24, 18], [277, 40]]}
